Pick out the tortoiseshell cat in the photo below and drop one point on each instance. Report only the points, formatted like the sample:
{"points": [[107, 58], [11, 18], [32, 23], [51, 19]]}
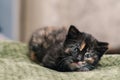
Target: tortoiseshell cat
{"points": [[66, 50]]}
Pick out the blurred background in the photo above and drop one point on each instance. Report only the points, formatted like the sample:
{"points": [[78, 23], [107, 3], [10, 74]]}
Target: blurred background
{"points": [[101, 18]]}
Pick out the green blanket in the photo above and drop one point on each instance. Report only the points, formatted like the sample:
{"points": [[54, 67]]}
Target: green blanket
{"points": [[15, 65]]}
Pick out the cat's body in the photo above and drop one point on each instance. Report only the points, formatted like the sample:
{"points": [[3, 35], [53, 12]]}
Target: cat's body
{"points": [[65, 49], [47, 42]]}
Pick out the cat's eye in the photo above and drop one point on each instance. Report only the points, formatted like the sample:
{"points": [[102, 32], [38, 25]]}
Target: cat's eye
{"points": [[87, 55], [76, 49]]}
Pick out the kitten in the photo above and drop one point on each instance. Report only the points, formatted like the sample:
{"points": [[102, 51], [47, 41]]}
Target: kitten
{"points": [[66, 50]]}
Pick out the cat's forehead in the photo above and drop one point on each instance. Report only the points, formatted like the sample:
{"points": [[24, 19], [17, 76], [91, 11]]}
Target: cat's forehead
{"points": [[72, 47]]}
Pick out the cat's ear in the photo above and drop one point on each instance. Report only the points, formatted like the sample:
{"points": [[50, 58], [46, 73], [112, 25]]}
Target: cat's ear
{"points": [[102, 43], [73, 32], [102, 46]]}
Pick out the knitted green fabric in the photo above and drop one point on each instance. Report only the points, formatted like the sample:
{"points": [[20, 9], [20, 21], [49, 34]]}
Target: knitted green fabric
{"points": [[15, 65]]}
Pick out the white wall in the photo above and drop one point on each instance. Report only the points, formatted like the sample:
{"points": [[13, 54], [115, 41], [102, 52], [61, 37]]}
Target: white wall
{"points": [[98, 17]]}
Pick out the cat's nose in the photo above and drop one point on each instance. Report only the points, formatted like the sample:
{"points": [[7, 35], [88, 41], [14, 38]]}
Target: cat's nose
{"points": [[78, 58]]}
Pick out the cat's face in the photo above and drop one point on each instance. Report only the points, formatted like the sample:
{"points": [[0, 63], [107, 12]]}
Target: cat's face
{"points": [[83, 47]]}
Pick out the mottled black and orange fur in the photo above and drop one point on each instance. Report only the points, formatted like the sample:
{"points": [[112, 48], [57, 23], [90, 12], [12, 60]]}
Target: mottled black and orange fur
{"points": [[65, 49]]}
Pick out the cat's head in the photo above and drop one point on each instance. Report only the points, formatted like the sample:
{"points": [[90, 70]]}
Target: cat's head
{"points": [[82, 46], [73, 41]]}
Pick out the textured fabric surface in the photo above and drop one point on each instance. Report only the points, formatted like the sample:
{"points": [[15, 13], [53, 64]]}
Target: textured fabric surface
{"points": [[15, 65]]}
